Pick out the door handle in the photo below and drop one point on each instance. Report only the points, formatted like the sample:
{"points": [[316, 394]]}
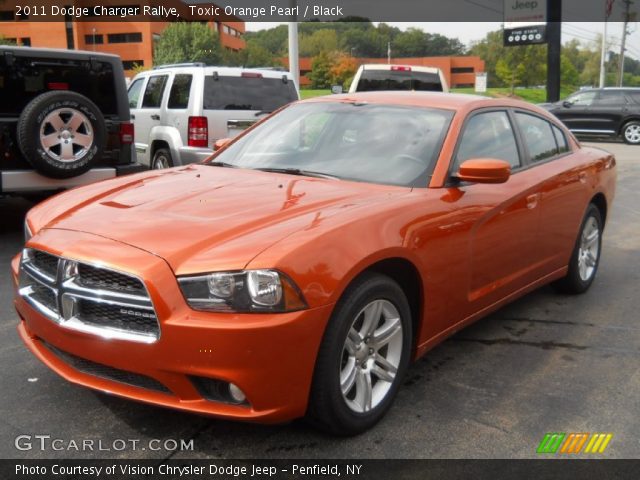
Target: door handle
{"points": [[532, 201], [155, 117]]}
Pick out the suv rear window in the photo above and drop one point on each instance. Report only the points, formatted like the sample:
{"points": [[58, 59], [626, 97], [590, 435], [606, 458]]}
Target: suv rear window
{"points": [[374, 80], [247, 93], [31, 76]]}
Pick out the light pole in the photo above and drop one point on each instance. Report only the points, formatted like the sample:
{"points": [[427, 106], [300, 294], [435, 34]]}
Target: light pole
{"points": [[93, 30]]}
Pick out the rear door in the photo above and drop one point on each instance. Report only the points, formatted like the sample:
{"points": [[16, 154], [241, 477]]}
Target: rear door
{"points": [[234, 103], [564, 193], [147, 115], [607, 111]]}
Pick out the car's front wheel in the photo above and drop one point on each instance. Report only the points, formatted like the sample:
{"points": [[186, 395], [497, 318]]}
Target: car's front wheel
{"points": [[586, 255], [631, 133], [363, 356]]}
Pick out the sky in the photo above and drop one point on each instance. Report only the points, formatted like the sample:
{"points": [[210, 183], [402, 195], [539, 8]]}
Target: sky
{"points": [[468, 32]]}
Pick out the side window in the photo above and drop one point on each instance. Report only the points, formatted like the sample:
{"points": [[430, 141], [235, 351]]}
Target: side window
{"points": [[488, 135], [153, 93], [610, 97], [134, 92], [538, 136], [561, 140], [583, 99], [180, 91]]}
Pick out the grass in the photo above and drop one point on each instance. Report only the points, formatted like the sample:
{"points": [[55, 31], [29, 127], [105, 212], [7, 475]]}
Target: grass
{"points": [[308, 93], [533, 95]]}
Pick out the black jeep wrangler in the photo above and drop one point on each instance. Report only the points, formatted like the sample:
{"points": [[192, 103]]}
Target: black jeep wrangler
{"points": [[64, 120]]}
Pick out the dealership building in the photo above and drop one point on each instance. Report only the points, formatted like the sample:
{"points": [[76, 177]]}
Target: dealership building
{"points": [[459, 71], [131, 38]]}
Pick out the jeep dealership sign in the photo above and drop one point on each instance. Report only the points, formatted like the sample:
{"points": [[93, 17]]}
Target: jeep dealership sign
{"points": [[524, 22]]}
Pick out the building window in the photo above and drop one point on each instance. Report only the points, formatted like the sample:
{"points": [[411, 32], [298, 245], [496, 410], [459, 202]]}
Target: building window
{"points": [[94, 39], [25, 42], [462, 70], [124, 37], [226, 29], [132, 64], [7, 16]]}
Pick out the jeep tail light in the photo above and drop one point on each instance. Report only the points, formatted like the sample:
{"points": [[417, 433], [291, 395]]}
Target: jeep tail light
{"points": [[126, 133], [58, 86], [398, 68], [198, 132]]}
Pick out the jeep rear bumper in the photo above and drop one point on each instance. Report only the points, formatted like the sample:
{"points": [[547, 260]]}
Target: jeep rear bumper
{"points": [[29, 181]]}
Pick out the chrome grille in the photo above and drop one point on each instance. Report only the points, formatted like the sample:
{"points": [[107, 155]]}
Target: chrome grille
{"points": [[88, 298]]}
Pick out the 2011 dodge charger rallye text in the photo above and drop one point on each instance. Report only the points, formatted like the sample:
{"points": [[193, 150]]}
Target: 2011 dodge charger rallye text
{"points": [[300, 269]]}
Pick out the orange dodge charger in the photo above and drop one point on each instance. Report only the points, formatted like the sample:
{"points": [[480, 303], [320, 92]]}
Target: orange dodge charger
{"points": [[301, 268]]}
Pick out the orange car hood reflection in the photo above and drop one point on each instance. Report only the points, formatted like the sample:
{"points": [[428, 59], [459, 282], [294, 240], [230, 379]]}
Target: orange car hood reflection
{"points": [[210, 213]]}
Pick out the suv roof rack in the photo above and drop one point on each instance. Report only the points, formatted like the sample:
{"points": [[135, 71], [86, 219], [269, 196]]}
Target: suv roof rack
{"points": [[173, 65]]}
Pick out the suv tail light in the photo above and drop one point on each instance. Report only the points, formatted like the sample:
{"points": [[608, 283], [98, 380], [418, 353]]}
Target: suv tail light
{"points": [[198, 132], [397, 68], [126, 133]]}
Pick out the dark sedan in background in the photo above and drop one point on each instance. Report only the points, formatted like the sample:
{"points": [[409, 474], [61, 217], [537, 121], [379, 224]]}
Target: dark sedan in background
{"points": [[609, 112]]}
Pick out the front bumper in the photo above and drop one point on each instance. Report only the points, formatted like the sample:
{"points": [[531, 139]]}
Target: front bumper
{"points": [[269, 356]]}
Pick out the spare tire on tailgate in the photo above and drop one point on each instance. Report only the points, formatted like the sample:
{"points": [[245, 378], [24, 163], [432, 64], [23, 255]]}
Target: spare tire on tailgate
{"points": [[62, 134]]}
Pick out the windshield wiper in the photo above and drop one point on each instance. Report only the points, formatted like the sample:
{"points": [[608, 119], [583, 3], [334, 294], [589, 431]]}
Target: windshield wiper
{"points": [[297, 171], [222, 164], [263, 112]]}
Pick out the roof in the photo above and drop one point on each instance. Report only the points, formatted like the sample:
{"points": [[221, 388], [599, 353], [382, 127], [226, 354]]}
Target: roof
{"points": [[448, 101]]}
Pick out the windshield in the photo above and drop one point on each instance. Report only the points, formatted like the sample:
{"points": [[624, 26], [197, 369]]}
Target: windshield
{"points": [[353, 141], [372, 80]]}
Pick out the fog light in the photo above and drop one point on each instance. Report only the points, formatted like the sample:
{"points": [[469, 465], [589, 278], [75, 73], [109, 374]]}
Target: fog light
{"points": [[237, 394]]}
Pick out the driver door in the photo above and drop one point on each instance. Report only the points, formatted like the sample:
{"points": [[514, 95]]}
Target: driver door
{"points": [[575, 112]]}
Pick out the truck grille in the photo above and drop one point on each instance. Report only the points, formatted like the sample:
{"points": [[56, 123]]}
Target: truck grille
{"points": [[87, 298]]}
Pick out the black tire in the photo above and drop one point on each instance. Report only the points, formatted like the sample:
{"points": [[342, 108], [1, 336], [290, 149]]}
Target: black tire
{"points": [[573, 282], [631, 132], [33, 123], [328, 408], [161, 159]]}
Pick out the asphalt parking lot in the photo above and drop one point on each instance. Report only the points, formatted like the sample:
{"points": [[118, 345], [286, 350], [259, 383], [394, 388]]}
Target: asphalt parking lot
{"points": [[547, 363]]}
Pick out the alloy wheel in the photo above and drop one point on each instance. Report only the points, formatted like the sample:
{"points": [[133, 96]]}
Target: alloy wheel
{"points": [[589, 250], [66, 135], [371, 356]]}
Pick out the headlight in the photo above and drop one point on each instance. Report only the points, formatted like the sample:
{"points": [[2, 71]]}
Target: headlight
{"points": [[27, 231], [245, 291]]}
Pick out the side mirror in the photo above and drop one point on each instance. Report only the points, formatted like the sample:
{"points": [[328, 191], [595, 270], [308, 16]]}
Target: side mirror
{"points": [[567, 104], [484, 170], [220, 143], [336, 89]]}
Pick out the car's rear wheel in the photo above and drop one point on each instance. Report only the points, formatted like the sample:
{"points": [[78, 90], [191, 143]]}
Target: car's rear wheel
{"points": [[62, 134], [162, 159], [363, 357], [631, 133], [585, 258]]}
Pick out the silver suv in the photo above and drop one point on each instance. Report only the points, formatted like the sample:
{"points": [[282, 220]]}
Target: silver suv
{"points": [[180, 111]]}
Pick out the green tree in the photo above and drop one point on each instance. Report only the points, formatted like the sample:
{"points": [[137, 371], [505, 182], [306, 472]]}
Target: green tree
{"points": [[569, 76], [325, 40], [320, 74], [188, 42], [6, 41]]}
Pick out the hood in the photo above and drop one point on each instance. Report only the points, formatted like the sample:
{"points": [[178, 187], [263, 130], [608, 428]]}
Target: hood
{"points": [[202, 218]]}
